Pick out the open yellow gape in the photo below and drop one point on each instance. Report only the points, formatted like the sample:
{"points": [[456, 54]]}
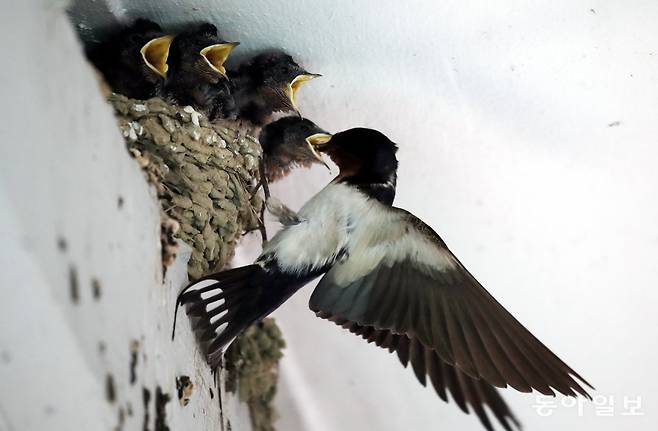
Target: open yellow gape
{"points": [[216, 55], [155, 53], [296, 83]]}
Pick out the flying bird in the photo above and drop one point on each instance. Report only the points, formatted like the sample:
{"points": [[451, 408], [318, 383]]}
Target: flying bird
{"points": [[266, 84], [133, 60], [389, 278], [285, 146], [197, 75]]}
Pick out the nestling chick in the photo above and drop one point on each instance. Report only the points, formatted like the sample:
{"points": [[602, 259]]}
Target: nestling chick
{"points": [[285, 146], [196, 74], [389, 278], [133, 60], [266, 84]]}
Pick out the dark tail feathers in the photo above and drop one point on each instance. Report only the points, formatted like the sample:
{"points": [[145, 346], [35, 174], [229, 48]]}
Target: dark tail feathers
{"points": [[223, 305]]}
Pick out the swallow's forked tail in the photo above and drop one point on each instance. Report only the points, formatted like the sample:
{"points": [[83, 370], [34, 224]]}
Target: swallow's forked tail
{"points": [[221, 306], [224, 304]]}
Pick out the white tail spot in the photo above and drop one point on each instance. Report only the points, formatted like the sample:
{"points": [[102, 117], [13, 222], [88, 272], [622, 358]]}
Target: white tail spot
{"points": [[215, 318], [221, 328], [210, 293], [203, 283], [213, 305]]}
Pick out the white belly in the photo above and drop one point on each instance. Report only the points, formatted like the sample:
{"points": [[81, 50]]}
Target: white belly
{"points": [[318, 239]]}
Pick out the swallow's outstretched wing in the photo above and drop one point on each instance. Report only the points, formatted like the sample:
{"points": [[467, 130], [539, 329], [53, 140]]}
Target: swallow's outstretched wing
{"points": [[426, 364], [398, 276]]}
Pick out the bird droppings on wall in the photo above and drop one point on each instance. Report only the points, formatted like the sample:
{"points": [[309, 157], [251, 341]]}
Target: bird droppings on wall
{"points": [[184, 387], [252, 368], [204, 174]]}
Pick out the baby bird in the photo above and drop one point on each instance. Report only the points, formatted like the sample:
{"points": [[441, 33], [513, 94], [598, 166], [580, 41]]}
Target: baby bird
{"points": [[285, 146], [197, 75], [133, 60], [266, 84]]}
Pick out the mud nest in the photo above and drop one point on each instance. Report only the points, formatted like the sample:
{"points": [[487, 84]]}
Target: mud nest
{"points": [[205, 174], [252, 365]]}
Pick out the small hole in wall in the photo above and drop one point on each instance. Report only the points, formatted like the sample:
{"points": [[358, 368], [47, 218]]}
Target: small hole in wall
{"points": [[146, 399], [74, 287], [62, 245], [161, 400], [120, 202], [121, 418], [110, 390], [96, 289], [134, 350]]}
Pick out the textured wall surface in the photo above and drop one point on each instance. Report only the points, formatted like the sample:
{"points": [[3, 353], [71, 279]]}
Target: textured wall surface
{"points": [[527, 139], [85, 317]]}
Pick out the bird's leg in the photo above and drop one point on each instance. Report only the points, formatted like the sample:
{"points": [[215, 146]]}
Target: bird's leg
{"points": [[263, 178], [266, 192], [285, 215], [261, 224]]}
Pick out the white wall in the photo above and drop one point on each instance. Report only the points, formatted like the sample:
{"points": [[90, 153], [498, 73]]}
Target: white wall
{"points": [[528, 140], [64, 169]]}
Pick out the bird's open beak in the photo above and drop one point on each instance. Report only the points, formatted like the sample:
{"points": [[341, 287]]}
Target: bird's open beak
{"points": [[155, 54], [295, 84], [315, 142], [216, 55]]}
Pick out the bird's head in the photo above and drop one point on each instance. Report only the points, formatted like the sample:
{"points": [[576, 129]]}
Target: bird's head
{"points": [[285, 145], [359, 152], [284, 77], [201, 51]]}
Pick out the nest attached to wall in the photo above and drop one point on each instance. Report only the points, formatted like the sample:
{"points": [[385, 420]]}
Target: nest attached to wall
{"points": [[252, 366], [205, 174]]}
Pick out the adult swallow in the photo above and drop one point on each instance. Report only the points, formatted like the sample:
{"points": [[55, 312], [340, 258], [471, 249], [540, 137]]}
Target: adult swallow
{"points": [[285, 146], [197, 75], [389, 278], [268, 83], [134, 59]]}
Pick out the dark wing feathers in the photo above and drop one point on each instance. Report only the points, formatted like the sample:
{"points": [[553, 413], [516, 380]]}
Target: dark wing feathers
{"points": [[427, 365], [418, 291]]}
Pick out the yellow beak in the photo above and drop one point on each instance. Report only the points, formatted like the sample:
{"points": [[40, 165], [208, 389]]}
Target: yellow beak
{"points": [[296, 83], [155, 53], [216, 55], [318, 139]]}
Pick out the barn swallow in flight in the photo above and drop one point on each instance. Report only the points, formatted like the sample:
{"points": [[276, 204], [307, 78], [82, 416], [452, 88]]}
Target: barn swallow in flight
{"points": [[197, 75], [266, 84], [389, 278], [134, 59]]}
